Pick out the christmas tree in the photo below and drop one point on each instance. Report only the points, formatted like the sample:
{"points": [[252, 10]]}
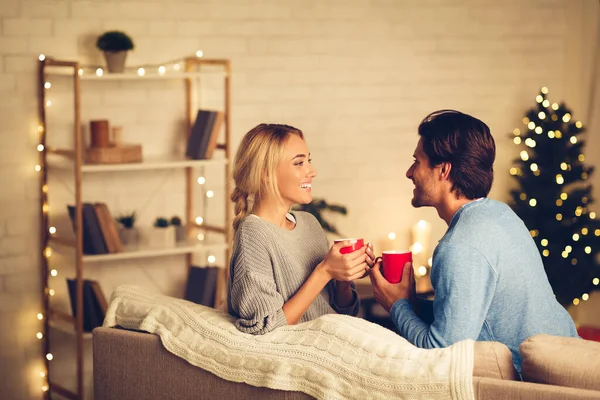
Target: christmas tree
{"points": [[553, 198]]}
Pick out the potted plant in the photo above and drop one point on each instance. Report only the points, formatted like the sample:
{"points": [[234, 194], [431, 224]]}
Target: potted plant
{"points": [[318, 208], [180, 231], [115, 45], [128, 233], [162, 233]]}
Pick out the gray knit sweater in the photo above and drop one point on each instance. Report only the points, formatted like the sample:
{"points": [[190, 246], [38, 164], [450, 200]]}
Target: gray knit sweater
{"points": [[268, 266]]}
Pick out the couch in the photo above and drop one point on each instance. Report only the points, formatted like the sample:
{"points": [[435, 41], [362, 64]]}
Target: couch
{"points": [[134, 365]]}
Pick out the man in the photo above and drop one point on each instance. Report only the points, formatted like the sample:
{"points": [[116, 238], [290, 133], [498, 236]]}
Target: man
{"points": [[487, 273]]}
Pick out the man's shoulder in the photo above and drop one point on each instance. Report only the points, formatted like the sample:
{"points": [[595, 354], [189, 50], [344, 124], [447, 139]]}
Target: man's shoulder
{"points": [[484, 213]]}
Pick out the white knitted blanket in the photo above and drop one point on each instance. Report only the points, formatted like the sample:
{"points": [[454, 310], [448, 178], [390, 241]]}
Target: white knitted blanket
{"points": [[331, 357]]}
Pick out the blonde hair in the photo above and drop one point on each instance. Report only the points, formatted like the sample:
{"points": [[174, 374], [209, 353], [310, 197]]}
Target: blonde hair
{"points": [[256, 160]]}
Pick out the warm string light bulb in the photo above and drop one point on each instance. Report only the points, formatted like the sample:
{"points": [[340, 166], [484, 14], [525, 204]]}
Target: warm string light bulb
{"points": [[417, 248], [99, 72], [52, 230], [211, 259], [49, 356], [201, 180], [40, 316], [41, 57], [210, 194], [199, 220], [524, 155], [391, 235], [39, 335], [141, 71]]}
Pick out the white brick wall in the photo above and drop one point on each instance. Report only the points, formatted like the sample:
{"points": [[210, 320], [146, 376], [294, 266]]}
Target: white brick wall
{"points": [[356, 75]]}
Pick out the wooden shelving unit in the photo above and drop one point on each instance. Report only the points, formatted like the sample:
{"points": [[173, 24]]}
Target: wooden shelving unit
{"points": [[72, 158]]}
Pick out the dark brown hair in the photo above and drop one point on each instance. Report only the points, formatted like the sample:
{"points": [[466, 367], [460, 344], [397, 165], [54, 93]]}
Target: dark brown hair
{"points": [[467, 144]]}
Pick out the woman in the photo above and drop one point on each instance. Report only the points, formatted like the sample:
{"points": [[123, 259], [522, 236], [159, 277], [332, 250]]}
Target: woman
{"points": [[282, 270]]}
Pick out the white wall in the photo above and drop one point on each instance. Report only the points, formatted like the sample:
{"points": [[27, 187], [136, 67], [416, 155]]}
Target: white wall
{"points": [[356, 75]]}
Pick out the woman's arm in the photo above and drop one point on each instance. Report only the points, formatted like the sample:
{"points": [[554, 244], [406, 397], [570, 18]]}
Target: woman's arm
{"points": [[345, 268]]}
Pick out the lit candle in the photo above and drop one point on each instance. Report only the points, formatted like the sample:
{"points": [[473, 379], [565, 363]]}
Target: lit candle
{"points": [[421, 232]]}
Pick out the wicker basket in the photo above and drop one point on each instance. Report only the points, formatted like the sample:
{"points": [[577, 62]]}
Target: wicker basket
{"points": [[114, 155]]}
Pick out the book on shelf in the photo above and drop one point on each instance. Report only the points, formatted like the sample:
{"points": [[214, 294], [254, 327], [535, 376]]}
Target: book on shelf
{"points": [[94, 303], [93, 239], [108, 227], [202, 140], [201, 284]]}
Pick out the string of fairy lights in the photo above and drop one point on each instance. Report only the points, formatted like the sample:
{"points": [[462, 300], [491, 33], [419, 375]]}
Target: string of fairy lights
{"points": [[173, 67], [559, 179], [164, 69]]}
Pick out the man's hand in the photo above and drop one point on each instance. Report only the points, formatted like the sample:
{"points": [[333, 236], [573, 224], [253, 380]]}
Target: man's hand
{"points": [[387, 293]]}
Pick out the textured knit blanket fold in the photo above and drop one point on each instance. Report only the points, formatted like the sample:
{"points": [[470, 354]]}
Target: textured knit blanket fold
{"points": [[331, 357]]}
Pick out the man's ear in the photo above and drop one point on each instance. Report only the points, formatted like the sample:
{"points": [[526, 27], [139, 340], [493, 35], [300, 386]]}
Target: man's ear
{"points": [[445, 170]]}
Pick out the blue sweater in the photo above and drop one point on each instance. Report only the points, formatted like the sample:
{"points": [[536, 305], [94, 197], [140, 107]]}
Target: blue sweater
{"points": [[490, 285]]}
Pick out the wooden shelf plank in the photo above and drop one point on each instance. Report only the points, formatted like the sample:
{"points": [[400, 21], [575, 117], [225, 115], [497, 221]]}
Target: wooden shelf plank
{"points": [[210, 228], [146, 165], [68, 328], [147, 252], [61, 390], [132, 75], [151, 164]]}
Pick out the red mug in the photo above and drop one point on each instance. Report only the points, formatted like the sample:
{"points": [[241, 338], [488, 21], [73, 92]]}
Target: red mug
{"points": [[349, 249], [393, 264]]}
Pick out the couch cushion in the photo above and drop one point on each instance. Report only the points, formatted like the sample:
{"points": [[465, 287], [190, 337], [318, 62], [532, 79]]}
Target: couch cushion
{"points": [[562, 361], [493, 360]]}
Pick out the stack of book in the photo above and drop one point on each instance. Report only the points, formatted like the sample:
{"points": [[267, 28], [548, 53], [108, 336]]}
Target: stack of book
{"points": [[202, 140], [100, 235], [94, 303]]}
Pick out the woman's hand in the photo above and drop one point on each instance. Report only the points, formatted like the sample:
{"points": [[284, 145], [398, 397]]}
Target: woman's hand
{"points": [[347, 267]]}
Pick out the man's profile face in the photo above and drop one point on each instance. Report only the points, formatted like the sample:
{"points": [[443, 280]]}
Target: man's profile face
{"points": [[423, 177]]}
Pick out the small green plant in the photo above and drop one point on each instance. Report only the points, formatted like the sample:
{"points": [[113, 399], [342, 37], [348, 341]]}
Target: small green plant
{"points": [[318, 207], [175, 221], [161, 222], [127, 220], [114, 41]]}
